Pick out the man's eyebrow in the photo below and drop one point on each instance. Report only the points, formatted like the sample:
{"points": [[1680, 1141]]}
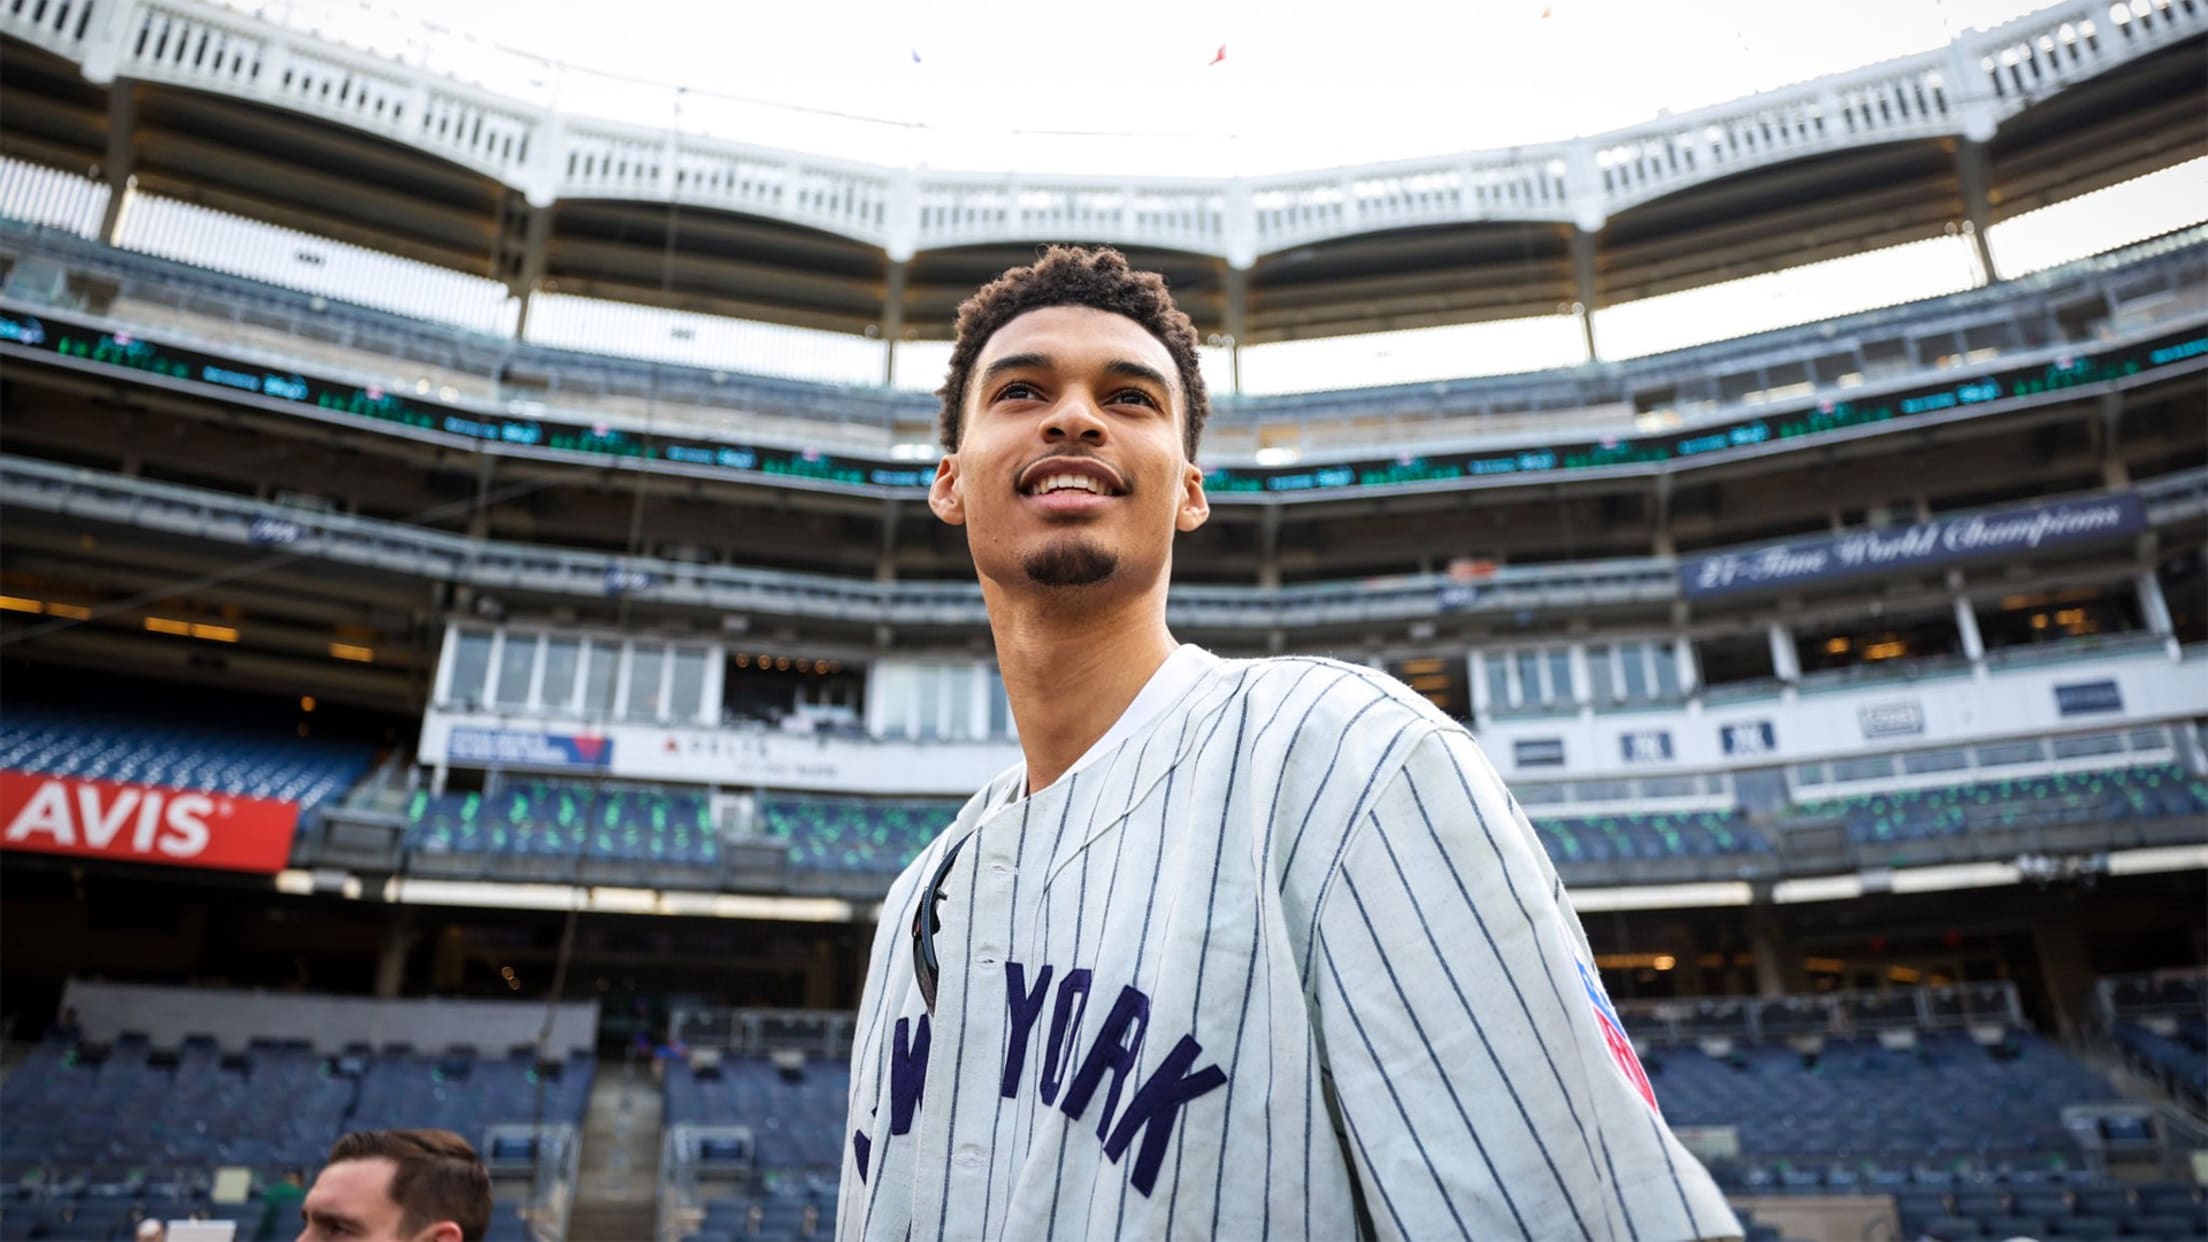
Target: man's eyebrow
{"points": [[1015, 362], [1136, 370], [1043, 362], [325, 1217]]}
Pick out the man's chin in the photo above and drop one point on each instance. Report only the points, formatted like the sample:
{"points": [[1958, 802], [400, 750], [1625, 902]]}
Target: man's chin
{"points": [[1069, 563]]}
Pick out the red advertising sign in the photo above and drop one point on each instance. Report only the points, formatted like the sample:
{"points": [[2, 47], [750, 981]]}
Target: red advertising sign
{"points": [[144, 823]]}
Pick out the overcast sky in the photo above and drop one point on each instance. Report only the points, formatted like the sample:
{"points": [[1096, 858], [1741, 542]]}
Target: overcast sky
{"points": [[1133, 86]]}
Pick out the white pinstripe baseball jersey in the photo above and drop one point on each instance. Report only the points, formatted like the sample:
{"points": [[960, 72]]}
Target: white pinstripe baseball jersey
{"points": [[1281, 959]]}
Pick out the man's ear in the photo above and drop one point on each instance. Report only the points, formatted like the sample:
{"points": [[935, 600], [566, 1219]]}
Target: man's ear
{"points": [[1195, 507], [444, 1231], [944, 494]]}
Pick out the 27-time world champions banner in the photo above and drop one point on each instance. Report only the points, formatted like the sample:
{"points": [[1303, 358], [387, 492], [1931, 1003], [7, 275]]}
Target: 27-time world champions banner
{"points": [[1937, 541]]}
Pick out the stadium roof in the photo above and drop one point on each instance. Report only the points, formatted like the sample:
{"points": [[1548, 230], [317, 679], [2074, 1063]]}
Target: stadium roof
{"points": [[1408, 266]]}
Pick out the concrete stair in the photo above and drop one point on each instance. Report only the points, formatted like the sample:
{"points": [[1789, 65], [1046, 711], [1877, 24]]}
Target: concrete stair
{"points": [[617, 1190]]}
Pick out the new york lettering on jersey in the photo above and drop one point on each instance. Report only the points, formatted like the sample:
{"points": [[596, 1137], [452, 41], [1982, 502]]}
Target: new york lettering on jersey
{"points": [[1142, 964]]}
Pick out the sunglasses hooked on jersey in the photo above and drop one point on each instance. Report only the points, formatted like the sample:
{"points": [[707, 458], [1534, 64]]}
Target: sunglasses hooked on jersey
{"points": [[926, 967]]}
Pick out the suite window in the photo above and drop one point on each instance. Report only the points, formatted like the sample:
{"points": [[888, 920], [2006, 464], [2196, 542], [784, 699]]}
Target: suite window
{"points": [[515, 664], [601, 670], [562, 660], [647, 673], [471, 667]]}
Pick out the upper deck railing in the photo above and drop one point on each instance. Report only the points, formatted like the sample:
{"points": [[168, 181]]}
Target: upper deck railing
{"points": [[2078, 308], [516, 135]]}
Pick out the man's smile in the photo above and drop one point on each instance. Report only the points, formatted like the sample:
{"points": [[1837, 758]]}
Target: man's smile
{"points": [[1068, 484]]}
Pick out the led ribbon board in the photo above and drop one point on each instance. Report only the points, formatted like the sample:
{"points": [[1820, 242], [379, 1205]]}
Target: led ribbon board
{"points": [[22, 334]]}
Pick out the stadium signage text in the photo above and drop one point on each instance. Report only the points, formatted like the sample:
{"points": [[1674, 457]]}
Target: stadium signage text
{"points": [[509, 747], [1751, 737], [2083, 698], [1898, 718], [516, 433], [1538, 752], [144, 823], [1933, 542]]}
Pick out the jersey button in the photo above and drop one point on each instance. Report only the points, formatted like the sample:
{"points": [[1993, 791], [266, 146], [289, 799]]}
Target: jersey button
{"points": [[984, 959], [1001, 868], [968, 1156]]}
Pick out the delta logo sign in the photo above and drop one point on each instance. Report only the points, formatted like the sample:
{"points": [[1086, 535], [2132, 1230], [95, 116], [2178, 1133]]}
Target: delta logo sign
{"points": [[48, 814]]}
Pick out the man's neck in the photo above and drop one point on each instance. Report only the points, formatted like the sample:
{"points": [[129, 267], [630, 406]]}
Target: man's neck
{"points": [[1070, 672]]}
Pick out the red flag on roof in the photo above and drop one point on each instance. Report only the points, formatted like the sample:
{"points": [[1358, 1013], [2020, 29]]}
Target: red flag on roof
{"points": [[1219, 55]]}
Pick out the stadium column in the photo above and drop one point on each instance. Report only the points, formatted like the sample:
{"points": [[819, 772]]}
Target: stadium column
{"points": [[398, 940], [1777, 971], [2115, 471], [885, 566], [2068, 970], [1966, 626], [893, 317], [536, 237], [1786, 663], [1237, 316], [1972, 170], [121, 162], [1268, 548], [2155, 607], [1583, 285]]}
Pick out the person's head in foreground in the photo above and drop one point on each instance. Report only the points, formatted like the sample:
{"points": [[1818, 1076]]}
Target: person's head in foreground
{"points": [[1071, 415], [150, 1230], [399, 1186]]}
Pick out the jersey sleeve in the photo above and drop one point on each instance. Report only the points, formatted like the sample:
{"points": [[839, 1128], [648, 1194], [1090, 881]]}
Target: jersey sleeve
{"points": [[1483, 1084]]}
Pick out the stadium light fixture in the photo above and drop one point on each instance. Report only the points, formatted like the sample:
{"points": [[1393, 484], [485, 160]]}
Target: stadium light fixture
{"points": [[350, 651], [1663, 896]]}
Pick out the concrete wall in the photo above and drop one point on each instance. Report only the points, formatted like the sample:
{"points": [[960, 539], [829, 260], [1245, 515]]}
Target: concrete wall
{"points": [[167, 1014]]}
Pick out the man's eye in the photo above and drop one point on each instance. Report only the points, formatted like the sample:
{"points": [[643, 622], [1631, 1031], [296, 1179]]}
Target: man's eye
{"points": [[1133, 395], [1016, 390]]}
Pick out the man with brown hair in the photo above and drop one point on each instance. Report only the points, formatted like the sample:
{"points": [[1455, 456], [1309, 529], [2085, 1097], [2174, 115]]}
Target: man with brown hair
{"points": [[399, 1186]]}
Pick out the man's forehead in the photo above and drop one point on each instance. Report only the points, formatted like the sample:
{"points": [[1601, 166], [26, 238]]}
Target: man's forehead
{"points": [[1069, 334], [350, 1185]]}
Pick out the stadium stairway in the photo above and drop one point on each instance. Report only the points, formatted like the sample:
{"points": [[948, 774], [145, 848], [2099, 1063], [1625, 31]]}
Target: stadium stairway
{"points": [[616, 1194]]}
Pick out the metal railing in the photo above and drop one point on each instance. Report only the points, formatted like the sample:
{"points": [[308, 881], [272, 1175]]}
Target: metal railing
{"points": [[1827, 1014], [438, 555]]}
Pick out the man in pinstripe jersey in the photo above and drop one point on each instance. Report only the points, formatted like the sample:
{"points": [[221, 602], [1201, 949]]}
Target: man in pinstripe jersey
{"points": [[1244, 949]]}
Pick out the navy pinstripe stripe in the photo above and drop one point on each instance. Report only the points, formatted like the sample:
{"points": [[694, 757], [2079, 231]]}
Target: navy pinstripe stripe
{"points": [[1310, 1095], [1263, 887], [1471, 1015], [1289, 864], [1004, 1033], [1394, 1095], [1111, 885], [1374, 1056], [1142, 941], [1203, 949], [1149, 903], [958, 1063], [1349, 833], [1080, 920], [1042, 916], [1380, 950], [1165, 817], [889, 981], [1548, 971]]}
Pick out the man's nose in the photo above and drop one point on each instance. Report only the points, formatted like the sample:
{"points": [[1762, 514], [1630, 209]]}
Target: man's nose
{"points": [[1075, 418]]}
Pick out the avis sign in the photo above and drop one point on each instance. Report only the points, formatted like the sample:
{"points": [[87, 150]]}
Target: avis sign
{"points": [[144, 823]]}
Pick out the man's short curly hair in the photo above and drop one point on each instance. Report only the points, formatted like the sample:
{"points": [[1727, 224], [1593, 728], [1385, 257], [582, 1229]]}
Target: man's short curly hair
{"points": [[1093, 276]]}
